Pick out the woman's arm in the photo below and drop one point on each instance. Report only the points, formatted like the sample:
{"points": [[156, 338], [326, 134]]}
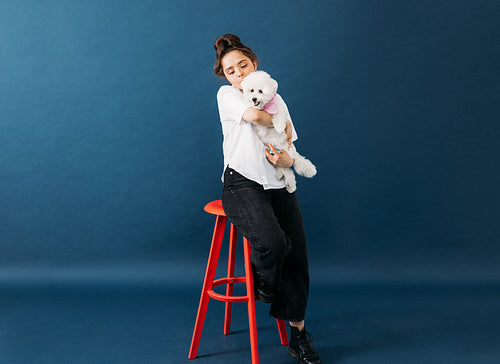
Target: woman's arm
{"points": [[265, 119], [258, 117]]}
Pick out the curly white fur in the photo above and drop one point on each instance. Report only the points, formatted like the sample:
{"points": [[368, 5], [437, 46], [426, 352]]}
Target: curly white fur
{"points": [[258, 89]]}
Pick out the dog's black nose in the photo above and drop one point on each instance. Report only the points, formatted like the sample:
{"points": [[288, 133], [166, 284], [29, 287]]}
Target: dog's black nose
{"points": [[254, 99]]}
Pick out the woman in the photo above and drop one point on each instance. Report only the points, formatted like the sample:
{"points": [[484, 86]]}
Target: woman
{"points": [[258, 204]]}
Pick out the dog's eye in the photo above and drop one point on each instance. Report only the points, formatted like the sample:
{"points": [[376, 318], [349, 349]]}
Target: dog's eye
{"points": [[251, 90], [260, 91]]}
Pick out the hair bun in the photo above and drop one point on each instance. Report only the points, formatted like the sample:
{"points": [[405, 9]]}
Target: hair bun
{"points": [[226, 42]]}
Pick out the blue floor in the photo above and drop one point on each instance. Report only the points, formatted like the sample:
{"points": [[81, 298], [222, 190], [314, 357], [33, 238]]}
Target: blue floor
{"points": [[350, 323]]}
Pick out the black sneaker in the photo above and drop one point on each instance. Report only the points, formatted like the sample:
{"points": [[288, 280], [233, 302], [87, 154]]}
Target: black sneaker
{"points": [[263, 291], [300, 347]]}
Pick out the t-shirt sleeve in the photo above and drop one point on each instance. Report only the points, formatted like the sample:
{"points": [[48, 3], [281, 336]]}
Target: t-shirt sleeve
{"points": [[231, 105]]}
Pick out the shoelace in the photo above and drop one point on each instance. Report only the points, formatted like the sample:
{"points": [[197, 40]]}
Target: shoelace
{"points": [[305, 340]]}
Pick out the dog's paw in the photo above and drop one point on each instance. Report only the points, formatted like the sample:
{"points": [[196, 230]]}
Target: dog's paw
{"points": [[291, 188]]}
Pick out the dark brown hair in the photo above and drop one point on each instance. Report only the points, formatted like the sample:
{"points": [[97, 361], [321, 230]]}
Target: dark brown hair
{"points": [[227, 43]]}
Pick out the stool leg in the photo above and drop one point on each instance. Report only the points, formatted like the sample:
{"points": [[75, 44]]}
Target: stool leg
{"points": [[251, 303], [230, 274], [213, 257], [282, 331]]}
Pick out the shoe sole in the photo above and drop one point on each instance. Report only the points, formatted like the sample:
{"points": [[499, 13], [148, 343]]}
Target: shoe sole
{"points": [[265, 300], [294, 355]]}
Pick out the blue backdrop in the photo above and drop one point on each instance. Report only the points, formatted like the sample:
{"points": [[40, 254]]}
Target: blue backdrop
{"points": [[110, 143]]}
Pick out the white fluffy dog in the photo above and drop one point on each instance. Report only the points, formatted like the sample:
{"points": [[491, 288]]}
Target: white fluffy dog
{"points": [[260, 90]]}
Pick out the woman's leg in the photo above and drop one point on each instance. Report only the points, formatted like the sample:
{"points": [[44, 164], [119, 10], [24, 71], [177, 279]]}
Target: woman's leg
{"points": [[249, 207], [292, 298], [272, 222], [299, 325], [293, 292]]}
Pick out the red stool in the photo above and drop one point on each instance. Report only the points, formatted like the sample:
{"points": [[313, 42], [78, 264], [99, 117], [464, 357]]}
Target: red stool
{"points": [[215, 208]]}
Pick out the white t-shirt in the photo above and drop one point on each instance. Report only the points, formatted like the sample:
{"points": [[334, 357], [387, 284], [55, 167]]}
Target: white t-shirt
{"points": [[243, 150]]}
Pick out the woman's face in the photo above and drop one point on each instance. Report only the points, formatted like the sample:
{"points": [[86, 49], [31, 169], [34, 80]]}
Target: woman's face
{"points": [[236, 67]]}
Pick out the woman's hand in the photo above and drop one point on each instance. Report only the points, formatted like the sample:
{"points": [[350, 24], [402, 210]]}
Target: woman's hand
{"points": [[279, 158]]}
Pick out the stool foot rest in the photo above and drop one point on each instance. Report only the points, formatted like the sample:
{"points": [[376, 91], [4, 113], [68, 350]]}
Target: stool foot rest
{"points": [[225, 298]]}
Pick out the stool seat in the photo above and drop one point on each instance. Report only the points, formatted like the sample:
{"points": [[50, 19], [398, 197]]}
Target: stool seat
{"points": [[207, 292], [215, 208]]}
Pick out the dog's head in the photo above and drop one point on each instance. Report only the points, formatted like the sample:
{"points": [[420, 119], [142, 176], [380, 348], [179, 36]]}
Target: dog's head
{"points": [[259, 88]]}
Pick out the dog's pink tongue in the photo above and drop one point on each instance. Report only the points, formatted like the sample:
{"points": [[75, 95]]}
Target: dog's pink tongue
{"points": [[272, 106]]}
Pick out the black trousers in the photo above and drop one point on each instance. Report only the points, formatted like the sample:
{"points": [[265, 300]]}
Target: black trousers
{"points": [[272, 222]]}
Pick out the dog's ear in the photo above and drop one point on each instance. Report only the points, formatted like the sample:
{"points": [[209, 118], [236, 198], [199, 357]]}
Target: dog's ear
{"points": [[270, 87]]}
